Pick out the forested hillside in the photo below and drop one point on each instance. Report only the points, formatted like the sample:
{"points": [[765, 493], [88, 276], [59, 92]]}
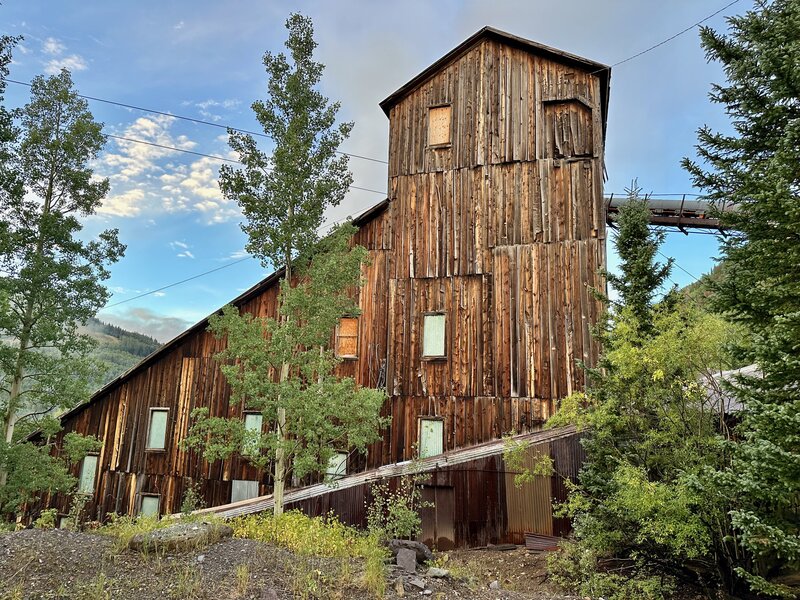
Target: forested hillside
{"points": [[118, 348]]}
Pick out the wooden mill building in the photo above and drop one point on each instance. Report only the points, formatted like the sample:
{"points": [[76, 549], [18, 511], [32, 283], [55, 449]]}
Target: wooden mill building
{"points": [[476, 308]]}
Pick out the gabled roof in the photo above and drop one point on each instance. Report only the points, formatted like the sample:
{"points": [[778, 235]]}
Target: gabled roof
{"points": [[601, 70], [359, 221]]}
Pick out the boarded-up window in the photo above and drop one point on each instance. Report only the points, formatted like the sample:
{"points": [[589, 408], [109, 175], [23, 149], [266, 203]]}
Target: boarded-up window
{"points": [[347, 338], [439, 125], [157, 433], [252, 425], [431, 437], [150, 505], [337, 466], [88, 471], [243, 489], [433, 336]]}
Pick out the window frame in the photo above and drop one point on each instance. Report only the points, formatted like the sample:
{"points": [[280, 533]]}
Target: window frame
{"points": [[96, 456], [153, 409], [449, 141], [142, 496], [336, 338], [420, 419], [434, 357]]}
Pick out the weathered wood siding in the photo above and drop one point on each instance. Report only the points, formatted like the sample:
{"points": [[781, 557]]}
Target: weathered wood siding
{"points": [[502, 230]]}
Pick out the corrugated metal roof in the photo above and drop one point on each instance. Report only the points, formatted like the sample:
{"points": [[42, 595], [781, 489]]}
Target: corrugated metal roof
{"points": [[454, 457]]}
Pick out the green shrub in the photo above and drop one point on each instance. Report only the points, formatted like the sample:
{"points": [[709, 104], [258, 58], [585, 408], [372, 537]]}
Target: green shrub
{"points": [[47, 519]]}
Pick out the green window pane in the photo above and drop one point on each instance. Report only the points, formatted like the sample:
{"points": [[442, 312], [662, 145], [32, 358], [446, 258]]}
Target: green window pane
{"points": [[337, 466], [252, 424], [243, 489], [158, 429], [88, 470], [433, 336], [150, 506], [431, 436]]}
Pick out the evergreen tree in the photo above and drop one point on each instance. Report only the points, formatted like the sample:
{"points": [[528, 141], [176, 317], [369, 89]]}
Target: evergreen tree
{"points": [[651, 433], [284, 196], [756, 167]]}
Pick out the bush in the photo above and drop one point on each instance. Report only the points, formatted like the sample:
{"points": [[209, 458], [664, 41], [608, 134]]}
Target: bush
{"points": [[47, 519]]}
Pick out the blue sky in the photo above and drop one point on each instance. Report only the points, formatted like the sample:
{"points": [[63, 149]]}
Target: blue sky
{"points": [[202, 59]]}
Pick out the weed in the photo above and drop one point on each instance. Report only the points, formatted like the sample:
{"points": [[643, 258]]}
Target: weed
{"points": [[13, 594], [47, 519], [98, 588], [242, 579], [319, 537], [188, 584]]}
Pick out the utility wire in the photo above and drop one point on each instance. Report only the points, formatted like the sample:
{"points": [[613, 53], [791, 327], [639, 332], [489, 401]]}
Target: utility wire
{"points": [[193, 120], [166, 287], [672, 37], [214, 156], [674, 262]]}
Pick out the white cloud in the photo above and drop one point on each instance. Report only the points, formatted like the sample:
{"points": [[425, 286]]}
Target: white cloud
{"points": [[52, 46], [71, 63], [178, 26], [177, 244], [185, 254], [204, 108], [124, 204]]}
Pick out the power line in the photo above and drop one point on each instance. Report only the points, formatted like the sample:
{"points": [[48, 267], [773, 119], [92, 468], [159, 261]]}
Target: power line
{"points": [[166, 287], [674, 262], [192, 120], [214, 156], [672, 37]]}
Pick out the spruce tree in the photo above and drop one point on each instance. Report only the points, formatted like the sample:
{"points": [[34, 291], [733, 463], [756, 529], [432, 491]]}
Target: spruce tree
{"points": [[756, 166]]}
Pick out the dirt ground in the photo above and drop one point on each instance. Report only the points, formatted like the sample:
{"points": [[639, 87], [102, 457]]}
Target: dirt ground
{"points": [[60, 564]]}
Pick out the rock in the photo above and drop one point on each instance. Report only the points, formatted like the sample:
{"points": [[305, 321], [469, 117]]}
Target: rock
{"points": [[399, 588], [407, 560], [437, 572], [424, 553], [183, 536], [269, 594], [417, 583], [427, 592], [201, 558], [495, 585]]}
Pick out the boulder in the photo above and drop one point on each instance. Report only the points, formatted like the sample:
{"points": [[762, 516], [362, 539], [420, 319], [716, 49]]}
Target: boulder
{"points": [[437, 572], [180, 537], [423, 553], [407, 560]]}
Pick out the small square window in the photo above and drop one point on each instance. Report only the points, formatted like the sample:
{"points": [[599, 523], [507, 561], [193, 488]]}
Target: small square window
{"points": [[157, 432], [433, 335], [347, 338], [252, 424], [431, 437], [150, 505], [439, 125], [87, 476], [337, 466], [243, 489]]}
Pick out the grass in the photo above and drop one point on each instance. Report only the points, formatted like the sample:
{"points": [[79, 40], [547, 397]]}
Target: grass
{"points": [[320, 537], [242, 579]]}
